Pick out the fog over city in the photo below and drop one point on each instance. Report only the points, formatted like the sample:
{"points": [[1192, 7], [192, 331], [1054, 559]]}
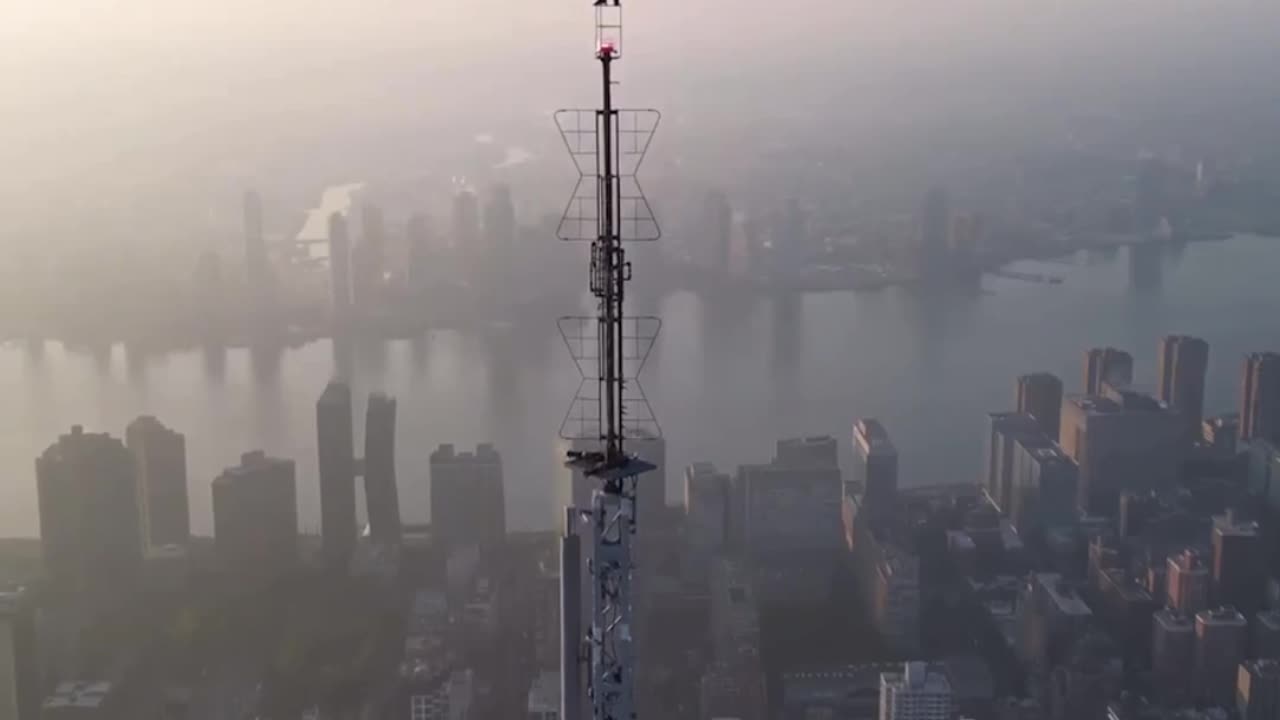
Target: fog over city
{"points": [[715, 360]]}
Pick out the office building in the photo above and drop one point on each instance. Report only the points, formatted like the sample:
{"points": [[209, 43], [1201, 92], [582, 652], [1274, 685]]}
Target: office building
{"points": [[916, 693], [875, 467], [794, 502], [1258, 690], [1040, 396], [1238, 563], [1261, 456], [1182, 364], [382, 497], [1188, 582], [1003, 430], [368, 258], [20, 691], [255, 516], [1044, 485], [90, 519], [340, 268], [466, 222], [337, 464], [1221, 433], [1260, 397], [160, 459], [1051, 616], [1266, 634], [896, 611], [1107, 367], [1080, 686], [1121, 441], [468, 502], [1221, 642], [706, 502], [1173, 643], [499, 220]]}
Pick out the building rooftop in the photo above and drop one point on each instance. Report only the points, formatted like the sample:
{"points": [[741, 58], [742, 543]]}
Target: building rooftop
{"points": [[1062, 595], [484, 454], [917, 677], [1225, 615], [250, 464], [1171, 619], [870, 434], [1229, 524]]}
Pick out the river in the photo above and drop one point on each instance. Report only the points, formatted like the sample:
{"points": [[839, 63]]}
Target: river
{"points": [[726, 378]]}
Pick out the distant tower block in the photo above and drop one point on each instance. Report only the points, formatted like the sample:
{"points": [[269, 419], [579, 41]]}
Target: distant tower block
{"points": [[337, 476], [1040, 396], [1183, 362], [1106, 366], [340, 268]]}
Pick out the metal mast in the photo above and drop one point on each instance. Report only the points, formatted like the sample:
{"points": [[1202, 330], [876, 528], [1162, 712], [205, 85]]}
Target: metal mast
{"points": [[607, 208]]}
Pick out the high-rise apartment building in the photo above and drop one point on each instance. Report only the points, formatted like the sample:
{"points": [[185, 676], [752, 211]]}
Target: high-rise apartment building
{"points": [[1258, 690], [1260, 397], [1182, 364], [706, 502], [793, 503], [1040, 396], [1107, 367], [20, 687], [1044, 485], [382, 496], [337, 463], [255, 516], [90, 519], [916, 693], [1188, 582], [1121, 441], [468, 502], [897, 601], [1003, 431], [160, 459], [1173, 642], [875, 466], [1238, 563], [1221, 641], [340, 268]]}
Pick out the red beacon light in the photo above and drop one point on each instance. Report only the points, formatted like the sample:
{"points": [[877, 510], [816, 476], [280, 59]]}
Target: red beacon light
{"points": [[607, 49]]}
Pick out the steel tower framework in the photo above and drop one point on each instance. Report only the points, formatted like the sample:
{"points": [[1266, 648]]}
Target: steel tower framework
{"points": [[608, 208]]}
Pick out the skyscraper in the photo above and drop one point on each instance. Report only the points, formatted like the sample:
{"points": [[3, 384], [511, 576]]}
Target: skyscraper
{"points": [[875, 466], [1260, 397], [795, 502], [160, 459], [1044, 485], [90, 520], [916, 693], [368, 259], [1221, 638], [340, 268], [468, 501], [718, 230], [1172, 652], [255, 516], [1003, 430], [1183, 361], [1121, 441], [896, 610], [499, 220], [1106, 366], [20, 688], [1040, 396], [418, 233], [466, 222], [337, 475], [706, 502], [382, 498], [1258, 690], [1238, 563], [1188, 578]]}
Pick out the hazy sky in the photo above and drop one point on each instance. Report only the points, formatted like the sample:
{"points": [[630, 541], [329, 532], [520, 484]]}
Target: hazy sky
{"points": [[103, 92]]}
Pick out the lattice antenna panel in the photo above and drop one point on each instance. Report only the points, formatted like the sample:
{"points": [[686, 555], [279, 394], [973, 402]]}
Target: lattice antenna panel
{"points": [[633, 132], [584, 419]]}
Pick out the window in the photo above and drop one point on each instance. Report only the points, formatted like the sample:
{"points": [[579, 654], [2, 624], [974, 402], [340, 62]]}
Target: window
{"points": [[418, 707]]}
